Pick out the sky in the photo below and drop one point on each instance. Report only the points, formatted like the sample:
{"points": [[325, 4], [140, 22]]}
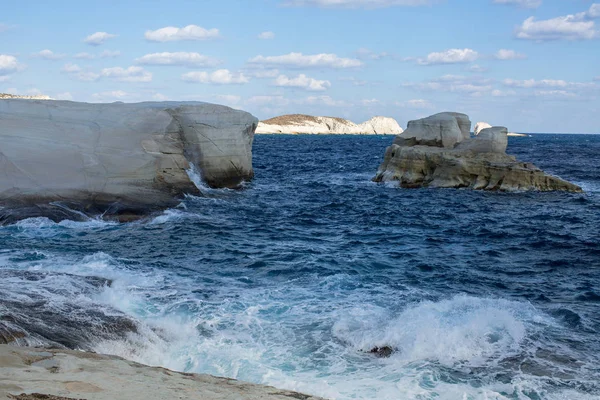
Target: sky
{"points": [[529, 65]]}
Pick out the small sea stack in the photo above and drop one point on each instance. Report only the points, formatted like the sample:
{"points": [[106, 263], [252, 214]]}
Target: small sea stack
{"points": [[438, 151]]}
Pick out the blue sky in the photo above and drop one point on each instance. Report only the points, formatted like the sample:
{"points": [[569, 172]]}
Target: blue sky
{"points": [[531, 65]]}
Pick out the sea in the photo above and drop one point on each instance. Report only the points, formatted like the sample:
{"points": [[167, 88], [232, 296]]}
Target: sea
{"points": [[316, 279]]}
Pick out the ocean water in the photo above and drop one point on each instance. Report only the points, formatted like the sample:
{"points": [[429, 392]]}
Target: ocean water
{"points": [[294, 279]]}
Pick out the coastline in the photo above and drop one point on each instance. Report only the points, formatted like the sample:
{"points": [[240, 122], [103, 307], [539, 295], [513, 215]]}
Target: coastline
{"points": [[56, 374]]}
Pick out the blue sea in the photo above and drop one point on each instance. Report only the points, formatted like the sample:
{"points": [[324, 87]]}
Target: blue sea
{"points": [[293, 280]]}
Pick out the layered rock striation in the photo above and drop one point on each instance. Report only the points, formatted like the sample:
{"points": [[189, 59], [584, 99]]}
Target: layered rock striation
{"points": [[436, 152], [61, 158], [306, 124]]}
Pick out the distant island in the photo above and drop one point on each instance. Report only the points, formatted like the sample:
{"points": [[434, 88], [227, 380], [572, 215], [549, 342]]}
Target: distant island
{"points": [[484, 125], [307, 124], [32, 97]]}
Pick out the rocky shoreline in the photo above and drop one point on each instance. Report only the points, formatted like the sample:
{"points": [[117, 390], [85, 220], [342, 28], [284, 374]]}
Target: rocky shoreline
{"points": [[295, 124], [38, 373]]}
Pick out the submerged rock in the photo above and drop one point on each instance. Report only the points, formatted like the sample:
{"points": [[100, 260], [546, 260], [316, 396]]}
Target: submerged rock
{"points": [[307, 124], [382, 352], [62, 159], [435, 152]]}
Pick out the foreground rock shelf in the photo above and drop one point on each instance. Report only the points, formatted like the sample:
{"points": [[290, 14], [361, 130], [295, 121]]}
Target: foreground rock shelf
{"points": [[61, 159], [30, 373], [438, 151]]}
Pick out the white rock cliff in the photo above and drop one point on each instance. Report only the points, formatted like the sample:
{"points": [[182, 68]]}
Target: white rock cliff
{"points": [[121, 160], [306, 124]]}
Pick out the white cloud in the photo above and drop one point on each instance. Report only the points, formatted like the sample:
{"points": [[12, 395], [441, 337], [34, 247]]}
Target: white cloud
{"points": [[220, 77], [84, 56], [532, 83], [112, 95], [190, 32], [354, 81], [9, 65], [419, 104], [367, 54], [324, 100], [178, 58], [504, 54], [266, 35], [262, 73], [477, 68], [503, 93], [555, 94], [98, 38], [370, 102], [5, 78], [451, 56], [578, 26], [228, 99], [356, 3], [299, 60], [267, 100], [76, 72], [521, 3], [472, 85], [110, 54], [71, 68], [48, 55], [303, 82], [131, 74]]}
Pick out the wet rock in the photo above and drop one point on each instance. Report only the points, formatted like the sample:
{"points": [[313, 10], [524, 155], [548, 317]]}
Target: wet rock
{"points": [[382, 352]]}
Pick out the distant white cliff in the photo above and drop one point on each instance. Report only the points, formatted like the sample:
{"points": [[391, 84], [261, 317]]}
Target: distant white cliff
{"points": [[33, 97], [307, 124], [484, 125]]}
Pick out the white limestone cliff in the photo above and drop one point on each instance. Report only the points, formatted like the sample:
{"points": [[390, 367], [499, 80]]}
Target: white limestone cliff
{"points": [[119, 160], [31, 97], [484, 125], [306, 124]]}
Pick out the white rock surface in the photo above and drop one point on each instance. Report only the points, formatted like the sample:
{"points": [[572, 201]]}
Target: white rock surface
{"points": [[116, 159], [306, 124], [78, 375], [441, 130], [484, 125]]}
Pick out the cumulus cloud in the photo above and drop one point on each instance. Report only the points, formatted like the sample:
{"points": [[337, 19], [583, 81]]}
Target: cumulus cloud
{"points": [[367, 54], [9, 65], [477, 68], [549, 83], [472, 85], [98, 38], [76, 72], [220, 77], [84, 56], [578, 26], [178, 58], [110, 54], [263, 73], [354, 81], [451, 56], [370, 102], [503, 93], [418, 104], [303, 82], [555, 94], [111, 95], [131, 74], [356, 3], [324, 101], [48, 55], [190, 32], [504, 54], [266, 35], [268, 100], [521, 3], [299, 60]]}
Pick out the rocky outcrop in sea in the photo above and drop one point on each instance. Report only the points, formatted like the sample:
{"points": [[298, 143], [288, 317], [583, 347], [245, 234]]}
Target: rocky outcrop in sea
{"points": [[307, 124], [62, 159], [438, 151]]}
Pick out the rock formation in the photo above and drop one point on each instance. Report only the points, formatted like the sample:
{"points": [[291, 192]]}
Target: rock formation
{"points": [[30, 373], [484, 125], [434, 152], [17, 96], [298, 123], [116, 160]]}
